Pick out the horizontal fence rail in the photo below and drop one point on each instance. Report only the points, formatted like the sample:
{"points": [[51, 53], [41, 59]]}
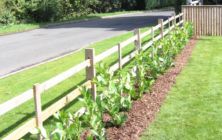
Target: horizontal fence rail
{"points": [[89, 66], [207, 19], [18, 100]]}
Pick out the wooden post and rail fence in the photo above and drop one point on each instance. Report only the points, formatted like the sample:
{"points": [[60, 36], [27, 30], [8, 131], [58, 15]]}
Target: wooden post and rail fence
{"points": [[164, 27], [207, 20]]}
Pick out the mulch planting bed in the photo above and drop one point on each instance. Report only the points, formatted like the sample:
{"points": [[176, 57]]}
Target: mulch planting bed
{"points": [[145, 109]]}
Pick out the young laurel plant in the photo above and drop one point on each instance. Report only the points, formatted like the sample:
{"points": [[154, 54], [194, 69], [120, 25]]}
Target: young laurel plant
{"points": [[141, 80], [189, 29], [114, 85], [111, 100], [68, 126], [165, 56], [155, 63], [92, 119], [174, 50], [124, 87], [180, 36], [140, 74], [111, 105], [104, 76], [163, 52]]}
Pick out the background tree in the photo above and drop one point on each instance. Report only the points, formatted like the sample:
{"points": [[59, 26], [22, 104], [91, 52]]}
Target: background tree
{"points": [[178, 4], [57, 10]]}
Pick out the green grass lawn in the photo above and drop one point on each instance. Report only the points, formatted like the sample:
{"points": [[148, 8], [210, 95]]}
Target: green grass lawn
{"points": [[20, 82], [7, 29], [193, 108]]}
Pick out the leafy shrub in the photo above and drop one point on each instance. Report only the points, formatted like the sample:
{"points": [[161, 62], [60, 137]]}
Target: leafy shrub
{"points": [[106, 6], [150, 4], [17, 8], [6, 17], [49, 10], [68, 126], [110, 99], [189, 29], [55, 10], [178, 4], [2, 6], [140, 82], [159, 60], [128, 4], [92, 119], [43, 10]]}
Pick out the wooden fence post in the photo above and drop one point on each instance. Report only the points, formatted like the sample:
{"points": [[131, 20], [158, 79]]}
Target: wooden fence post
{"points": [[184, 14], [152, 34], [91, 71], [138, 40], [120, 55], [120, 63], [160, 21], [138, 48], [37, 90], [174, 20], [181, 17], [169, 23]]}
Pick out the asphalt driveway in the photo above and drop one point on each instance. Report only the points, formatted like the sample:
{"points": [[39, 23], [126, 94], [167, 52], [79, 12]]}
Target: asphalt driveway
{"points": [[21, 50]]}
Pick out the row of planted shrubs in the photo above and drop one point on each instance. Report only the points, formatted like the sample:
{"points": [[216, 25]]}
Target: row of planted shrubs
{"points": [[117, 91]]}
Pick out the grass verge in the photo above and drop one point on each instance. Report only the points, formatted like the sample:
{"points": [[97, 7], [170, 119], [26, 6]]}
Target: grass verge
{"points": [[20, 82], [192, 109], [15, 28]]}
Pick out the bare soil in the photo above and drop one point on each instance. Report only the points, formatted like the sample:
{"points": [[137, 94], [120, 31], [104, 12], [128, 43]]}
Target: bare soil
{"points": [[145, 109]]}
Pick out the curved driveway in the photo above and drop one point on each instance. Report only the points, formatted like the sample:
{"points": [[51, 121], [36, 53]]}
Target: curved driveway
{"points": [[21, 50]]}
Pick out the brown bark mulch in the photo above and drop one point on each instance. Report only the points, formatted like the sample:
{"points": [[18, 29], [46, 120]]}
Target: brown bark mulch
{"points": [[145, 109]]}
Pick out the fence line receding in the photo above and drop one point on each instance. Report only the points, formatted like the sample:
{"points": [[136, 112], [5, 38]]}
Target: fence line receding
{"points": [[163, 27]]}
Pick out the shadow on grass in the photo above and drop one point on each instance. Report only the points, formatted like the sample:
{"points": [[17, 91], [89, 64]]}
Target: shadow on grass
{"points": [[31, 114]]}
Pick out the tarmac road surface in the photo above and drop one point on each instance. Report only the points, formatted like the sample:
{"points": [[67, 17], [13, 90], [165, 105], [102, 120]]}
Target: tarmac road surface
{"points": [[21, 50]]}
